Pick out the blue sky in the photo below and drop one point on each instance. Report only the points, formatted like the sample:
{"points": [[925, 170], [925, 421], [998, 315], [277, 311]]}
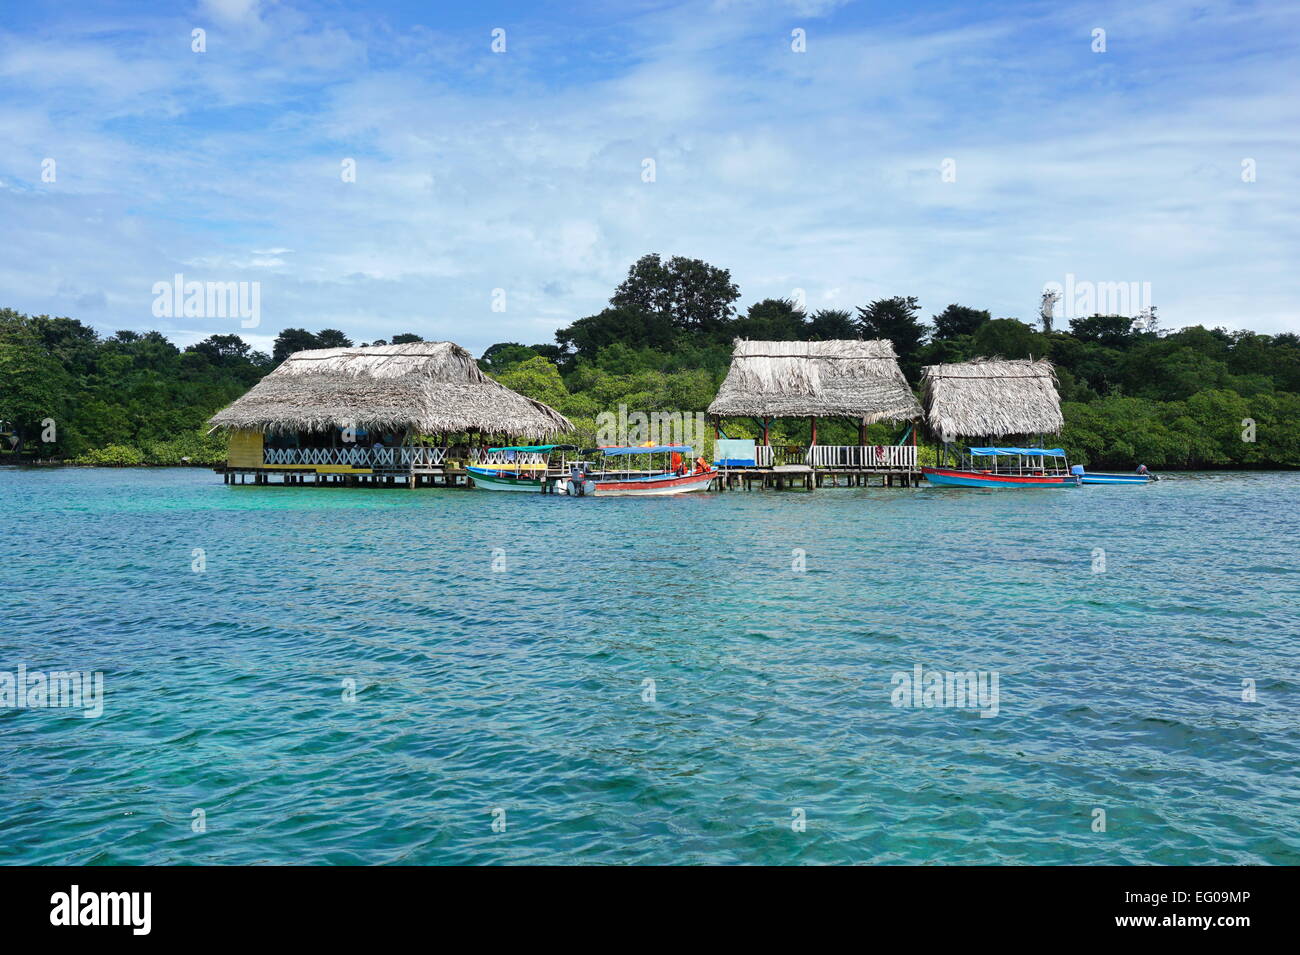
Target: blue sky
{"points": [[522, 170]]}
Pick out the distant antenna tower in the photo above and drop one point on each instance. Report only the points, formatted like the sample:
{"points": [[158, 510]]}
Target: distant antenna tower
{"points": [[1050, 298]]}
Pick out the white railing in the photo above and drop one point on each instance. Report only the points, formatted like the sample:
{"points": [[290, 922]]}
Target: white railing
{"points": [[420, 457], [512, 458], [357, 457], [880, 456]]}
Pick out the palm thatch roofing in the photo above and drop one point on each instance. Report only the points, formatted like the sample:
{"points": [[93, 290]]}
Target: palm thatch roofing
{"points": [[427, 387], [992, 397], [833, 379]]}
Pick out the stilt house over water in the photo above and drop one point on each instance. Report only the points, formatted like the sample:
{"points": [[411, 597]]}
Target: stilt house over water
{"points": [[989, 400], [384, 414], [855, 380]]}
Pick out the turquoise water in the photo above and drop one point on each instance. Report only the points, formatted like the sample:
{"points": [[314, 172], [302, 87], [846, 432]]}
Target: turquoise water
{"points": [[521, 689]]}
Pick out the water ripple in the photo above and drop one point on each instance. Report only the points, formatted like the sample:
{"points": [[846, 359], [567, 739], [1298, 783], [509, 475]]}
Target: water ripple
{"points": [[349, 681]]}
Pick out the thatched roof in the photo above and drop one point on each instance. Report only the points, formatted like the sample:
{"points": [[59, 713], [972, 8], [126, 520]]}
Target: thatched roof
{"points": [[834, 379], [429, 387], [991, 397]]}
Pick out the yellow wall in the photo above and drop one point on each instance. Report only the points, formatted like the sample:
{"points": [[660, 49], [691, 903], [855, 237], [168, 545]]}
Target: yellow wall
{"points": [[245, 449]]}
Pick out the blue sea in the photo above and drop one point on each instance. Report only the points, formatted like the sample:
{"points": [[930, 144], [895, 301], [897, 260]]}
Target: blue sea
{"points": [[338, 676]]}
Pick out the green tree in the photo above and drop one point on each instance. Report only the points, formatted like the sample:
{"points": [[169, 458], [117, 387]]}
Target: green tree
{"points": [[1113, 331], [958, 320], [536, 378], [692, 293], [333, 338], [896, 319], [831, 324], [1009, 338], [222, 349], [773, 319], [74, 344], [629, 326], [502, 354], [293, 340], [34, 387]]}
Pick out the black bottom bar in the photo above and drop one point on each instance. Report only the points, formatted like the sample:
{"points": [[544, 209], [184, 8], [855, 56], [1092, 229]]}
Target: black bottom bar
{"points": [[929, 905]]}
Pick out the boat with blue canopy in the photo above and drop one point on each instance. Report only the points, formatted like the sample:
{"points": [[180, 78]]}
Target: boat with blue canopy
{"points": [[669, 471], [1006, 467]]}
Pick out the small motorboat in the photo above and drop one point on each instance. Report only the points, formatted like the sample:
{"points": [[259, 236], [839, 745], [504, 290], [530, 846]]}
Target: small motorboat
{"points": [[991, 467], [679, 476], [1140, 476]]}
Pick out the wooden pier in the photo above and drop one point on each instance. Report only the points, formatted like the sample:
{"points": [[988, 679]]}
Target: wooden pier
{"points": [[315, 477], [407, 466], [782, 467], [808, 479], [777, 468]]}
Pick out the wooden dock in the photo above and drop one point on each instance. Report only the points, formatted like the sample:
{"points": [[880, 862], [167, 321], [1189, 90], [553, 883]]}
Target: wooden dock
{"points": [[806, 467], [353, 477], [775, 468], [803, 477]]}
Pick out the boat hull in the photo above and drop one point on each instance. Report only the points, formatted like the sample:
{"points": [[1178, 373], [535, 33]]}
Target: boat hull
{"points": [[490, 480], [1115, 478], [658, 486], [951, 477]]}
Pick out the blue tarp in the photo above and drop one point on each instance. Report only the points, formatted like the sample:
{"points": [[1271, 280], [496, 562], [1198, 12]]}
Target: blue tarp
{"points": [[1035, 452], [659, 449]]}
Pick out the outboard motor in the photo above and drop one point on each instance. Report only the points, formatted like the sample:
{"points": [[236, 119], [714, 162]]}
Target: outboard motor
{"points": [[579, 481], [1077, 470]]}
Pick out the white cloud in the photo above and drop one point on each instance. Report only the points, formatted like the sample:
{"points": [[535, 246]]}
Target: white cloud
{"points": [[232, 11], [817, 170]]}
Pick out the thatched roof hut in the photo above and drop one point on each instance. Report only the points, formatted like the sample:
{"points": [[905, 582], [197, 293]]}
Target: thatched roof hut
{"points": [[426, 387], [992, 397], [832, 379]]}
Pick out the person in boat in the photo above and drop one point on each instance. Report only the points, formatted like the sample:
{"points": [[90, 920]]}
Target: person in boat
{"points": [[1142, 469]]}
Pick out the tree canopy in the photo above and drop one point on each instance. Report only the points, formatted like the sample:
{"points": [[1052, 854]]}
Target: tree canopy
{"points": [[1130, 393]]}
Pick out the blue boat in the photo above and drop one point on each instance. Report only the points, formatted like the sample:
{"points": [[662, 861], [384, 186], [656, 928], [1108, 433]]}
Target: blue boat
{"points": [[1098, 477]]}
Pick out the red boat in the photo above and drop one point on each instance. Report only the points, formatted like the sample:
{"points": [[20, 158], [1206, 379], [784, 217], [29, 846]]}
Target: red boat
{"points": [[656, 482], [1030, 470]]}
